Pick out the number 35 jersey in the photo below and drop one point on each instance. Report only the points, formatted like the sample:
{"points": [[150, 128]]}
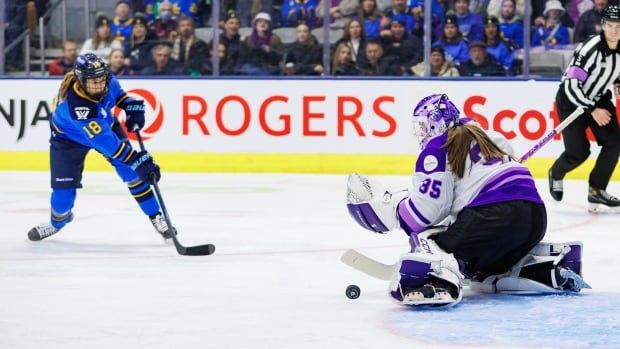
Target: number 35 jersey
{"points": [[85, 121], [438, 193]]}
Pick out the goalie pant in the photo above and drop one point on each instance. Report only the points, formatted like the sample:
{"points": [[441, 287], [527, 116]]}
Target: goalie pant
{"points": [[490, 239]]}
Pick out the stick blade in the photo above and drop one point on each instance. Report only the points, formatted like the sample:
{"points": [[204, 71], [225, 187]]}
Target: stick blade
{"points": [[367, 265], [199, 250]]}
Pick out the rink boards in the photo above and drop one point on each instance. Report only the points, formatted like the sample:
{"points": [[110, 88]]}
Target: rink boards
{"points": [[289, 126]]}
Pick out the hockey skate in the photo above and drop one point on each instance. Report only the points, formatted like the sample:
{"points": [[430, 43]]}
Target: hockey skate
{"points": [[45, 230], [556, 187], [601, 202], [435, 293], [161, 227]]}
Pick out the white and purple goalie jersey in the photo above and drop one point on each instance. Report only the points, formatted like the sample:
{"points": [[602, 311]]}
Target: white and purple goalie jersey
{"points": [[438, 193]]}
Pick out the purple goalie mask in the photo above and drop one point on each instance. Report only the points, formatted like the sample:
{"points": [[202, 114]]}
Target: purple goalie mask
{"points": [[432, 117]]}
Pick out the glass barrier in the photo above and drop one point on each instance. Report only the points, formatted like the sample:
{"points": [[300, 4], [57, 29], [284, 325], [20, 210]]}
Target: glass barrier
{"points": [[401, 38]]}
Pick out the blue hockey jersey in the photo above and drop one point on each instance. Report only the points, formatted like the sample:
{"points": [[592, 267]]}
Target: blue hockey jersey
{"points": [[85, 121]]}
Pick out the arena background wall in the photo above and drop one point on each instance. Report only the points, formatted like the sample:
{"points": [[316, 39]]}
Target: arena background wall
{"points": [[289, 126]]}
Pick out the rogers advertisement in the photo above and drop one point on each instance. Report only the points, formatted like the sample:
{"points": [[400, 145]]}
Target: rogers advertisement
{"points": [[293, 116]]}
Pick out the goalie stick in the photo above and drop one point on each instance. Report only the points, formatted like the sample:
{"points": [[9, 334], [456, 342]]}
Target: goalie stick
{"points": [[199, 250], [367, 265]]}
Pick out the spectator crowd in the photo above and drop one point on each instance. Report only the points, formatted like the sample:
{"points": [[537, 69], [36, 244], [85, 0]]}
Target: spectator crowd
{"points": [[375, 37]]}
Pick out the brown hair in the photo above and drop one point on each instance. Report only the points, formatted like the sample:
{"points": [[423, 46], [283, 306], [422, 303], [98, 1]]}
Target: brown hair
{"points": [[66, 84], [459, 143]]}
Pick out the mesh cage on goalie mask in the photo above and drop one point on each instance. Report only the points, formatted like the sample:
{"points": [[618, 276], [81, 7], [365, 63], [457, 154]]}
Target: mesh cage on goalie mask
{"points": [[432, 117], [90, 66]]}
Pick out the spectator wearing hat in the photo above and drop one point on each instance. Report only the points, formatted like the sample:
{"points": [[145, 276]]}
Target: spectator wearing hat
{"points": [[399, 7], [497, 46], [102, 41], [402, 47], [261, 52], [161, 63], [64, 64], [165, 24], [439, 65], [371, 18], [189, 52], [590, 22], [550, 32], [231, 39], [376, 64], [122, 23], [304, 56], [295, 11], [481, 63], [453, 42], [510, 24], [138, 49], [354, 36], [470, 24]]}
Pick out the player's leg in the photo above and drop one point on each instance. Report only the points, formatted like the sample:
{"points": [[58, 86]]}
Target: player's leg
{"points": [[426, 277], [66, 167], [548, 268], [608, 137], [145, 197], [576, 148], [140, 190]]}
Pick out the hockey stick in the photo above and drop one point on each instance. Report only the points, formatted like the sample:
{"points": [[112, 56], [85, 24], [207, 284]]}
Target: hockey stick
{"points": [[367, 265], [199, 250], [574, 115]]}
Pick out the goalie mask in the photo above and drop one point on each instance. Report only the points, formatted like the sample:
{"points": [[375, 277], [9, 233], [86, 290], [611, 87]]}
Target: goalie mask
{"points": [[432, 117]]}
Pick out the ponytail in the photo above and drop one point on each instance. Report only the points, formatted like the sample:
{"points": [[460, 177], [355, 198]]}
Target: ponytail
{"points": [[66, 84], [459, 143]]}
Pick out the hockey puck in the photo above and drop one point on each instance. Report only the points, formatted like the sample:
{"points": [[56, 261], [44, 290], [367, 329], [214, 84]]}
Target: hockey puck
{"points": [[353, 292]]}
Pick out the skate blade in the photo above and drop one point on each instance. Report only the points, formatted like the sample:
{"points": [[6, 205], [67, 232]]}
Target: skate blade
{"points": [[602, 209]]}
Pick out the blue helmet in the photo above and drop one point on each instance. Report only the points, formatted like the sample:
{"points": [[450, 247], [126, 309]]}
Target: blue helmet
{"points": [[433, 116], [90, 66]]}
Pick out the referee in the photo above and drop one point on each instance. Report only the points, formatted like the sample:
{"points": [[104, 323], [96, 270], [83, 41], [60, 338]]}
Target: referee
{"points": [[594, 67]]}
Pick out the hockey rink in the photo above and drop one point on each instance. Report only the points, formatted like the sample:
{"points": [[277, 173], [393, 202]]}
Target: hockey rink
{"points": [[275, 280]]}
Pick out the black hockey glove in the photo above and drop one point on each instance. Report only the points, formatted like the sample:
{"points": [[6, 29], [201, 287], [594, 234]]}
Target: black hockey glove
{"points": [[134, 111], [144, 166]]}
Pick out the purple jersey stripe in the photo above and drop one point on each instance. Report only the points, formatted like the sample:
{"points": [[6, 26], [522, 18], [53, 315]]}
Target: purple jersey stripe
{"points": [[408, 218], [503, 175]]}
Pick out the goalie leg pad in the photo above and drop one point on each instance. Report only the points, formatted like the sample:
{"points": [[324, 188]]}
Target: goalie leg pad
{"points": [[548, 268], [429, 277], [371, 205]]}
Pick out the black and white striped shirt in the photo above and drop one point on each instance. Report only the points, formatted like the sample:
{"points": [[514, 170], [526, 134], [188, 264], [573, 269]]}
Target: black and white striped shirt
{"points": [[593, 68]]}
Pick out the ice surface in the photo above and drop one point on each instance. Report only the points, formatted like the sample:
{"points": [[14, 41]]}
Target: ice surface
{"points": [[275, 281]]}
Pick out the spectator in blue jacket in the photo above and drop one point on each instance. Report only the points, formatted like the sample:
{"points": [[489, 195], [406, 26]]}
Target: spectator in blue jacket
{"points": [[470, 24], [510, 24], [550, 32], [496, 45], [122, 23], [296, 11], [371, 18], [453, 42]]}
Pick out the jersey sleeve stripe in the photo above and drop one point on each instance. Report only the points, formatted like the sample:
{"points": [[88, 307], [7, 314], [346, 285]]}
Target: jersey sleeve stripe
{"points": [[119, 151]]}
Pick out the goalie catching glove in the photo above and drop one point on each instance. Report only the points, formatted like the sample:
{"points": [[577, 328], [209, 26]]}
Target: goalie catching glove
{"points": [[372, 205]]}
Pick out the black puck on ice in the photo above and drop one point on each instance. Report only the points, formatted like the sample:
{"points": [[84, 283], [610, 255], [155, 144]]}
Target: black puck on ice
{"points": [[353, 292]]}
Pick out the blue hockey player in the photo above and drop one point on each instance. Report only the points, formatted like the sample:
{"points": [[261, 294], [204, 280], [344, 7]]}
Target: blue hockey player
{"points": [[82, 120]]}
